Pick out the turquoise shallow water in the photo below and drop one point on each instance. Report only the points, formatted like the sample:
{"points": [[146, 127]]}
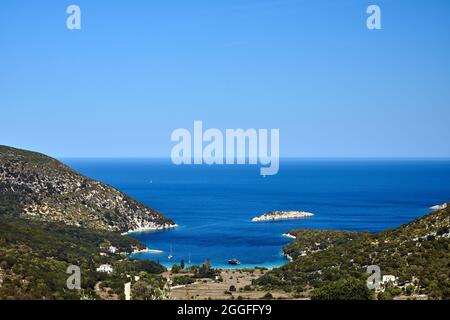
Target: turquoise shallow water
{"points": [[214, 205]]}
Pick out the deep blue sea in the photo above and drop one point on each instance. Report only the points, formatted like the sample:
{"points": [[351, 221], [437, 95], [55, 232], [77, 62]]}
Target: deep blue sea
{"points": [[213, 205]]}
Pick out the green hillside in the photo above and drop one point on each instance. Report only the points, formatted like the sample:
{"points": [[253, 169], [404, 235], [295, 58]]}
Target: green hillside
{"points": [[34, 257], [332, 264]]}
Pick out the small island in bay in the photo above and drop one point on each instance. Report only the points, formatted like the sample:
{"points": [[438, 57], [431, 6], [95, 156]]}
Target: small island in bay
{"points": [[282, 215]]}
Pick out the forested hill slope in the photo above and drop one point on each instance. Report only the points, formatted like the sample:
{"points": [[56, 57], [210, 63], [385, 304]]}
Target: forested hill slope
{"points": [[35, 185], [333, 264], [35, 256]]}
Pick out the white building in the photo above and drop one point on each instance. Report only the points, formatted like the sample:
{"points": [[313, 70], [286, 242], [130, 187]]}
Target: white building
{"points": [[112, 250], [389, 279], [105, 268]]}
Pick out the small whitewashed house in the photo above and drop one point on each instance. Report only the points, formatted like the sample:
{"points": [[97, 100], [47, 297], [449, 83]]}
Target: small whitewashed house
{"points": [[112, 250], [389, 279], [107, 268]]}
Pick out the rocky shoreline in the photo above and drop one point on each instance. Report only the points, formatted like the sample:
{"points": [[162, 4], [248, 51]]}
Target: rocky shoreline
{"points": [[439, 206], [289, 235], [151, 228]]}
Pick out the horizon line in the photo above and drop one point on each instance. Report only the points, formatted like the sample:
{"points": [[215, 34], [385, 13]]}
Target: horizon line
{"points": [[281, 158]]}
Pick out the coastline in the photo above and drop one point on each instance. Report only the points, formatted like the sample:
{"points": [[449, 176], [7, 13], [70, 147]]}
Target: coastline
{"points": [[150, 229], [148, 250], [439, 207], [264, 266], [288, 235], [232, 220], [149, 254]]}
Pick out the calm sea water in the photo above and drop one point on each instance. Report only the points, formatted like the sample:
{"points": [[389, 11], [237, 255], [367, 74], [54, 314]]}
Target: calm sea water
{"points": [[213, 205]]}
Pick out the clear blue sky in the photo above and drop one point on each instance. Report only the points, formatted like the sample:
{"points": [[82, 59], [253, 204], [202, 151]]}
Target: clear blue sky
{"points": [[139, 69]]}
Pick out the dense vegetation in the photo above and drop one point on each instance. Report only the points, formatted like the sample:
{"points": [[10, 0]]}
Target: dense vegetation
{"points": [[51, 217], [325, 262], [343, 289], [310, 241], [34, 257]]}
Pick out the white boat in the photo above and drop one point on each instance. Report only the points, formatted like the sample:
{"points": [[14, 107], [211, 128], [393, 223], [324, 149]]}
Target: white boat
{"points": [[234, 262]]}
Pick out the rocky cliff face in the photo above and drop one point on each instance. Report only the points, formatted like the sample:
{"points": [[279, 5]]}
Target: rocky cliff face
{"points": [[34, 185]]}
